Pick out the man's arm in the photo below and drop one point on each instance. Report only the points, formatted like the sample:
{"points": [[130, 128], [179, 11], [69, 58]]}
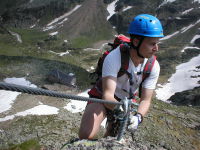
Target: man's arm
{"points": [[149, 85], [145, 101], [109, 85]]}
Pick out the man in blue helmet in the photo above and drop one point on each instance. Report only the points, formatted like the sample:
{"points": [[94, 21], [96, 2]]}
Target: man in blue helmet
{"points": [[145, 31]]}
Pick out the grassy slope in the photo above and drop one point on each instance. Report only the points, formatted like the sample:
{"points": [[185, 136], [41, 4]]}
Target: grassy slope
{"points": [[173, 127], [28, 58], [37, 62], [87, 25]]}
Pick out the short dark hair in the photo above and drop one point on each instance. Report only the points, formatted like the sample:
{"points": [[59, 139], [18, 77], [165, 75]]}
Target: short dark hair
{"points": [[133, 36]]}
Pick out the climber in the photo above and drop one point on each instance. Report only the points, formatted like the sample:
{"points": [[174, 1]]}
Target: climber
{"points": [[145, 31]]}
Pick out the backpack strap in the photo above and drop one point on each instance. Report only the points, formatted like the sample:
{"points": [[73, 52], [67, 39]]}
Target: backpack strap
{"points": [[147, 71], [148, 67], [99, 67], [97, 88], [124, 50]]}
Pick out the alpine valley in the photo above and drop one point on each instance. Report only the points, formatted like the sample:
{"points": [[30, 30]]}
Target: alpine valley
{"points": [[38, 37]]}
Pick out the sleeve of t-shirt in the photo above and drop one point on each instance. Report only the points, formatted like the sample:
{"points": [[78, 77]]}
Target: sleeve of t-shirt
{"points": [[112, 63], [151, 81]]}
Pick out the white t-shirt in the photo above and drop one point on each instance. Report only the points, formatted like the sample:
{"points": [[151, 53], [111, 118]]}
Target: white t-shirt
{"points": [[112, 65]]}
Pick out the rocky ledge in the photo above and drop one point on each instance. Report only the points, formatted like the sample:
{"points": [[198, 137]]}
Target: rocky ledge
{"points": [[166, 127]]}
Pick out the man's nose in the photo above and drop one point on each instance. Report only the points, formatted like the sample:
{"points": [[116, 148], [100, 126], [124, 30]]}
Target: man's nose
{"points": [[155, 48]]}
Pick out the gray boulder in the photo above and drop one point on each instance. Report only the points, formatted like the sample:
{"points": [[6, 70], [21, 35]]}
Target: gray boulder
{"points": [[56, 76]]}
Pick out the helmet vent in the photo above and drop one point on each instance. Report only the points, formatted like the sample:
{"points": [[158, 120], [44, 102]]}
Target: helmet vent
{"points": [[146, 25]]}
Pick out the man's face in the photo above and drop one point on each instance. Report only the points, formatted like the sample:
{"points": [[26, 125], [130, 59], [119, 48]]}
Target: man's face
{"points": [[149, 46]]}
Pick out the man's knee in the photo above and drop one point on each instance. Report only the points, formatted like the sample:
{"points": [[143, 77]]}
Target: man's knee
{"points": [[85, 134], [91, 121]]}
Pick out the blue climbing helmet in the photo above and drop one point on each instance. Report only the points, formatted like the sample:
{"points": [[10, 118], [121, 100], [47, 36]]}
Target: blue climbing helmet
{"points": [[146, 25]]}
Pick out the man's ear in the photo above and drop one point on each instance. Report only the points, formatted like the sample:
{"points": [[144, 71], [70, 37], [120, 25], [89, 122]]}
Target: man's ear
{"points": [[135, 42]]}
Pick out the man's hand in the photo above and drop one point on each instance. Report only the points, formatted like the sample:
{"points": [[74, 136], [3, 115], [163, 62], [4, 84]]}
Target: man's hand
{"points": [[135, 120]]}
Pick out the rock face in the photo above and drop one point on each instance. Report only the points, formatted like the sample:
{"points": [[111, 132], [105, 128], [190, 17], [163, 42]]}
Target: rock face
{"points": [[188, 98], [197, 41], [26, 13], [166, 127]]}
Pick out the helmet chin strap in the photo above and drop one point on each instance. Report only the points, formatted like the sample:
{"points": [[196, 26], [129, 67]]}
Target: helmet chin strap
{"points": [[138, 47]]}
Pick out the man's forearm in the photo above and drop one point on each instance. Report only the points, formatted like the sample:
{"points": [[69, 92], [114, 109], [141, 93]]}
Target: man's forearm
{"points": [[144, 107]]}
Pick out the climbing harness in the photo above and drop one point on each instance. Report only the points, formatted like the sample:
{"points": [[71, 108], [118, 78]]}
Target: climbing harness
{"points": [[126, 104]]}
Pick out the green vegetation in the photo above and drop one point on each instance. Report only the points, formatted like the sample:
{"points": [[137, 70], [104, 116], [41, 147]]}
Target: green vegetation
{"points": [[20, 59], [171, 127], [36, 69], [87, 39], [32, 144], [81, 42], [30, 36]]}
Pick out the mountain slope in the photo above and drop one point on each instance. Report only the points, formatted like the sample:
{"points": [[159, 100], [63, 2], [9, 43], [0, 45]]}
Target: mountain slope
{"points": [[54, 34], [88, 23], [25, 13]]}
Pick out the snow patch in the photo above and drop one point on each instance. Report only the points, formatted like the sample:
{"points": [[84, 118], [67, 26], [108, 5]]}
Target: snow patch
{"points": [[53, 33], [79, 106], [19, 81], [60, 20], [189, 27], [32, 26], [111, 9], [91, 49], [37, 110], [197, 1], [184, 29], [187, 11], [127, 8], [8, 97], [60, 54], [165, 2], [17, 36], [181, 80], [169, 36], [91, 68], [64, 16], [194, 38], [189, 47]]}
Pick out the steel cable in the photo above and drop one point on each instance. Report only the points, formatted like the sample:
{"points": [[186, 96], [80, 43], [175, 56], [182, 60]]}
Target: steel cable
{"points": [[39, 91]]}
